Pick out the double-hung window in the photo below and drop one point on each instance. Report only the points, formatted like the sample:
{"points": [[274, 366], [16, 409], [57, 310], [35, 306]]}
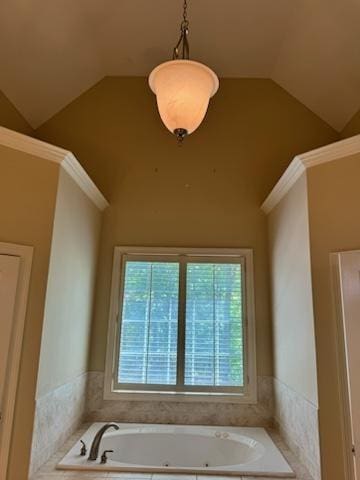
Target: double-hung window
{"points": [[182, 324]]}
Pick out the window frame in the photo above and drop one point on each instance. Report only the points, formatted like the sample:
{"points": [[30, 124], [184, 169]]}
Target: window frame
{"points": [[115, 391]]}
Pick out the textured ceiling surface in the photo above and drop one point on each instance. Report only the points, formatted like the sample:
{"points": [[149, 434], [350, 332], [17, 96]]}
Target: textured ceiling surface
{"points": [[52, 51]]}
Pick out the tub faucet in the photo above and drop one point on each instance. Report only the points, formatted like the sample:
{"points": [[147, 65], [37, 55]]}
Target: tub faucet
{"points": [[94, 450]]}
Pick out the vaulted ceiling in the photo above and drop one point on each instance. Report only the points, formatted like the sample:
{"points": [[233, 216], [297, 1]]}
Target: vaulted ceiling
{"points": [[53, 50]]}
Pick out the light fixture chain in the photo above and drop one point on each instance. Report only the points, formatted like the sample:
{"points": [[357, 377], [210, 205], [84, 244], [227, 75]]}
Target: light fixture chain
{"points": [[185, 22], [183, 40]]}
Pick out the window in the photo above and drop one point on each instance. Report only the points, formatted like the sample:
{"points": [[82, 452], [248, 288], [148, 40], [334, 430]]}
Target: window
{"points": [[181, 324]]}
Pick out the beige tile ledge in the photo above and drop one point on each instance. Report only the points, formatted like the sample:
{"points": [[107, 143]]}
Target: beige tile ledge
{"points": [[49, 472]]}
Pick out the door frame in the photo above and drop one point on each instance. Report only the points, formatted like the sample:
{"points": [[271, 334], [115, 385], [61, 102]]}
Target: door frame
{"points": [[26, 254], [342, 374]]}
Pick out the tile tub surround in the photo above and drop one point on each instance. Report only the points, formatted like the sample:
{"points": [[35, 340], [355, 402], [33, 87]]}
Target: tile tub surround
{"points": [[49, 472], [181, 413], [297, 421], [58, 414]]}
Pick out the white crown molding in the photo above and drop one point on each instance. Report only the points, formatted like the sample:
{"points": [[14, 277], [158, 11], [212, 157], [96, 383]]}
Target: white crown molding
{"points": [[287, 180], [301, 163], [79, 175], [38, 148]]}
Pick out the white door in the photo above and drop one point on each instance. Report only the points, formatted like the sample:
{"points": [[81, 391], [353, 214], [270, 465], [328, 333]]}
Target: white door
{"points": [[9, 275], [349, 273]]}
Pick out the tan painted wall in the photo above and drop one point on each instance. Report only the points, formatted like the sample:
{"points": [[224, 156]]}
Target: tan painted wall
{"points": [[27, 202], [353, 127], [11, 118], [334, 199], [206, 193], [69, 297], [292, 303]]}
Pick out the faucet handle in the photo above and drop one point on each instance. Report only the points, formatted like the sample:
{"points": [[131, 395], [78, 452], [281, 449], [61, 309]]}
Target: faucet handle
{"points": [[83, 449], [104, 456]]}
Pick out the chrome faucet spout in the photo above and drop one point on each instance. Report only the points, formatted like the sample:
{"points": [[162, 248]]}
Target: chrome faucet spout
{"points": [[94, 450]]}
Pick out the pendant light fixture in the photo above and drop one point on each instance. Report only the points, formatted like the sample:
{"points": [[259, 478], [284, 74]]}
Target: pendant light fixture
{"points": [[183, 88]]}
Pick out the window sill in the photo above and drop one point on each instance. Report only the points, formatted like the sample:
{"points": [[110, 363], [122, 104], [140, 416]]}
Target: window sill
{"points": [[143, 396]]}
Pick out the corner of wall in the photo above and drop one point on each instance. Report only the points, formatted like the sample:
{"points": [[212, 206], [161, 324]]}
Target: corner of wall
{"points": [[11, 118], [352, 127]]}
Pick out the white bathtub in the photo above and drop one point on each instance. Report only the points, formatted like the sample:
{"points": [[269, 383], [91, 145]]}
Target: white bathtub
{"points": [[182, 449]]}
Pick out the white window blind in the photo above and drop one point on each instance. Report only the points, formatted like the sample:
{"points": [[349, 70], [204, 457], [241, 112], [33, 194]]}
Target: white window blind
{"points": [[181, 324], [148, 348], [214, 331]]}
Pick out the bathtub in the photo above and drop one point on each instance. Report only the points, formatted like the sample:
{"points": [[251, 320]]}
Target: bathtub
{"points": [[182, 449]]}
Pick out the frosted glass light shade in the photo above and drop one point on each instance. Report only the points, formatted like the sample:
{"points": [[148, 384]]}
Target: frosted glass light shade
{"points": [[183, 89]]}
